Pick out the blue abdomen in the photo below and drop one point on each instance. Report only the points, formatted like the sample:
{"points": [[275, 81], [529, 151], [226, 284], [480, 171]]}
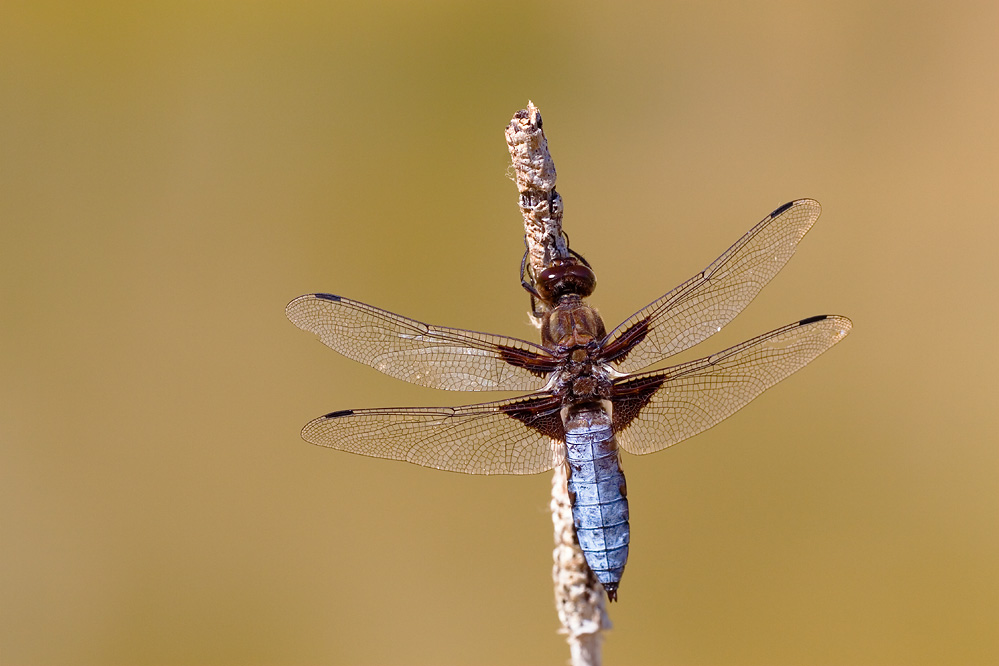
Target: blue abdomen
{"points": [[597, 488]]}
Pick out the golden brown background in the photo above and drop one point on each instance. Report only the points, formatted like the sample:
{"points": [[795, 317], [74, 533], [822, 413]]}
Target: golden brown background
{"points": [[171, 174]]}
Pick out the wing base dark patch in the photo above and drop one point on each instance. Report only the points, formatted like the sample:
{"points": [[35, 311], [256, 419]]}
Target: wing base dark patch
{"points": [[618, 350], [530, 361], [539, 414], [631, 395]]}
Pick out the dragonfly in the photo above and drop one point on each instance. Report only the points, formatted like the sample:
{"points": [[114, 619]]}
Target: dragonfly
{"points": [[587, 393]]}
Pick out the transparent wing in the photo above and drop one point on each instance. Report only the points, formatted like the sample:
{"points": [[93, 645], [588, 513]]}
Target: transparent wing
{"points": [[433, 356], [517, 436], [657, 409], [699, 307]]}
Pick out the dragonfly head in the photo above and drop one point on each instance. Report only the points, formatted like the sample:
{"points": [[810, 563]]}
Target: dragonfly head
{"points": [[564, 277]]}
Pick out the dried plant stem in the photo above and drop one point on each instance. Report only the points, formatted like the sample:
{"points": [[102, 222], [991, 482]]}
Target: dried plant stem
{"points": [[579, 596], [541, 205]]}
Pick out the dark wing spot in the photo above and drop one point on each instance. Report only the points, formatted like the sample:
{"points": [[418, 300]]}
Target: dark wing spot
{"points": [[812, 320], [342, 412], [328, 297], [782, 209]]}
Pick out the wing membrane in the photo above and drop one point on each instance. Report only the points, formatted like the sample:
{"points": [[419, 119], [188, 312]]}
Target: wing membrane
{"points": [[657, 409], [516, 436], [432, 356], [699, 307]]}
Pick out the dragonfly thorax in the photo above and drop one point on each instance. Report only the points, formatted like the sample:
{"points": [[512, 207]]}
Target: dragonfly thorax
{"points": [[571, 326]]}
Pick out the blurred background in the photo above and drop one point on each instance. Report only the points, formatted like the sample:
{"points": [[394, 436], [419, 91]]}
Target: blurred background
{"points": [[171, 174]]}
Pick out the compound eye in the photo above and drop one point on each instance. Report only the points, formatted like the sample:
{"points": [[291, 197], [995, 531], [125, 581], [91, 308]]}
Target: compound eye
{"points": [[582, 278], [547, 282], [551, 275]]}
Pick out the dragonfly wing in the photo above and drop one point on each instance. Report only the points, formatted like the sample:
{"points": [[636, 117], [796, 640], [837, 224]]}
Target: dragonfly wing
{"points": [[654, 410], [518, 436], [432, 356], [702, 305]]}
